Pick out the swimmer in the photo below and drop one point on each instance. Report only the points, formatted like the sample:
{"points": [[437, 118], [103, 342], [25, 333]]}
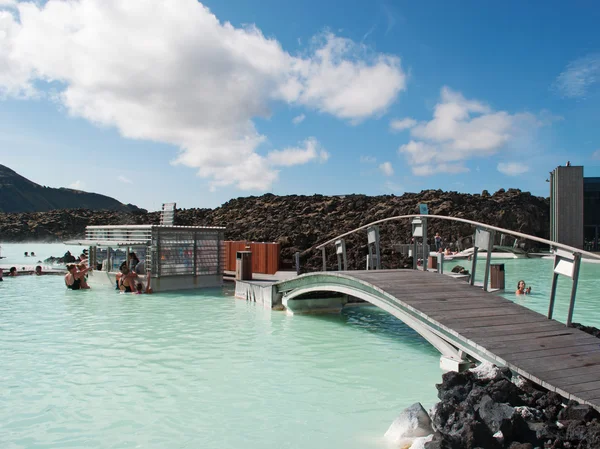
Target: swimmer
{"points": [[139, 288], [26, 254], [74, 279], [12, 271], [38, 271], [522, 289]]}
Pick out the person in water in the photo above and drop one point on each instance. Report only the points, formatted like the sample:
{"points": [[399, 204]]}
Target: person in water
{"points": [[75, 279], [139, 288], [38, 271], [26, 254], [32, 254], [522, 289], [127, 280], [12, 271]]}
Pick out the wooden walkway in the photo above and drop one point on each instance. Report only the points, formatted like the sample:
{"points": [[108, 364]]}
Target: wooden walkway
{"points": [[547, 352]]}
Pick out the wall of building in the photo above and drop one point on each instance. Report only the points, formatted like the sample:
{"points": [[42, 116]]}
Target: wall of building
{"points": [[591, 213], [566, 198]]}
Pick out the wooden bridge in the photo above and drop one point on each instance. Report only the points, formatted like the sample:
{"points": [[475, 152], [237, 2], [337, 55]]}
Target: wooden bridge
{"points": [[466, 323], [463, 321]]}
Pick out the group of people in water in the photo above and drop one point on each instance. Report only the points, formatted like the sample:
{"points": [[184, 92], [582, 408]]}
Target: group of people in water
{"points": [[126, 281]]}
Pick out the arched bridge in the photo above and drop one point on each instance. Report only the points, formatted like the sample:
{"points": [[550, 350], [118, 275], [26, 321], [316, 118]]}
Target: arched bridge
{"points": [[465, 322]]}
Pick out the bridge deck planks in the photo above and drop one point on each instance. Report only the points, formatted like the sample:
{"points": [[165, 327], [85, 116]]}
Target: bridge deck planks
{"points": [[563, 358]]}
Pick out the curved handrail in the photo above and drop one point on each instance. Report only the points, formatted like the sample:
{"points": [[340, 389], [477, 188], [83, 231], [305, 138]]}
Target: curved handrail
{"points": [[471, 222]]}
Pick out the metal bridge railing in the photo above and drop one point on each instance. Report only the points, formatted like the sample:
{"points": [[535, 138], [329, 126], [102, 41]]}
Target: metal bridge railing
{"points": [[567, 259]]}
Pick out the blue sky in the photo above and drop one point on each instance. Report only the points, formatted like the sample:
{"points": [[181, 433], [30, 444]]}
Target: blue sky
{"points": [[200, 103]]}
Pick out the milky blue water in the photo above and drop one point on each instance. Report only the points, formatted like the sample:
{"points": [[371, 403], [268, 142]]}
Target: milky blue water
{"points": [[537, 273], [95, 369]]}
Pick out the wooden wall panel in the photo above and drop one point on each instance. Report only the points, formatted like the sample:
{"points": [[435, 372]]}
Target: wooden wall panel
{"points": [[265, 256]]}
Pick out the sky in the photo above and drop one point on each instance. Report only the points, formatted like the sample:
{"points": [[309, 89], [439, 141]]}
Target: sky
{"points": [[153, 101]]}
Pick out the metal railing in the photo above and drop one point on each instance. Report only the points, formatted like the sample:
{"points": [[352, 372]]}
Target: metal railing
{"points": [[567, 258]]}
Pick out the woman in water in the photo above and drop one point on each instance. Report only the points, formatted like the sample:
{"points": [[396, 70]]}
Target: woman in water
{"points": [[127, 280], [75, 279], [522, 289]]}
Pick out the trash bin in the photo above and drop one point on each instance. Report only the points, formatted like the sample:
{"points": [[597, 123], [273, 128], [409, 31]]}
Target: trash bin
{"points": [[497, 276], [243, 266], [432, 262]]}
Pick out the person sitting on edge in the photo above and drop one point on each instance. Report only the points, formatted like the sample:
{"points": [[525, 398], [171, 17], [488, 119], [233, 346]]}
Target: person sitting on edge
{"points": [[132, 260], [447, 252], [74, 279], [12, 271], [522, 289]]}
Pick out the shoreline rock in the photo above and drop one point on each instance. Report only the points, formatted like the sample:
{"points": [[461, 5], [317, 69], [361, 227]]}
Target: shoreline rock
{"points": [[489, 407]]}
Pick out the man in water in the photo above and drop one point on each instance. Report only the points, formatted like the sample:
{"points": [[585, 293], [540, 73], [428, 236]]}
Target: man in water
{"points": [[38, 271], [12, 272], [75, 279]]}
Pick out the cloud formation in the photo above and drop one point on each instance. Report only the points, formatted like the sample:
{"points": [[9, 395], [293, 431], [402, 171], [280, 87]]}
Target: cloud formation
{"points": [[462, 129], [402, 124], [176, 74], [368, 159], [512, 168], [386, 168], [124, 179], [579, 75], [287, 157], [298, 119]]}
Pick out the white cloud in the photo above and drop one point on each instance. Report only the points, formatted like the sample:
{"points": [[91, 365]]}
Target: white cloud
{"points": [[125, 180], [343, 79], [428, 170], [288, 157], [462, 129], [180, 76], [402, 124], [298, 119], [393, 187], [596, 154], [386, 168], [579, 76], [512, 168], [368, 160], [77, 185], [8, 4]]}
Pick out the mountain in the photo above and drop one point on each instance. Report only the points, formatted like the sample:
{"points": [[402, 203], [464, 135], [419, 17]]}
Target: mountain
{"points": [[19, 194]]}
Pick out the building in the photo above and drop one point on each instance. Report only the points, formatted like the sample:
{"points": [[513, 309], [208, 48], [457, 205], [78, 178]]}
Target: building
{"points": [[591, 214], [574, 208], [566, 205]]}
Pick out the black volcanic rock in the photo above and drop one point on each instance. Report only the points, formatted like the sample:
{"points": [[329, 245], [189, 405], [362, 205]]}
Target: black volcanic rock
{"points": [[19, 194], [300, 223]]}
